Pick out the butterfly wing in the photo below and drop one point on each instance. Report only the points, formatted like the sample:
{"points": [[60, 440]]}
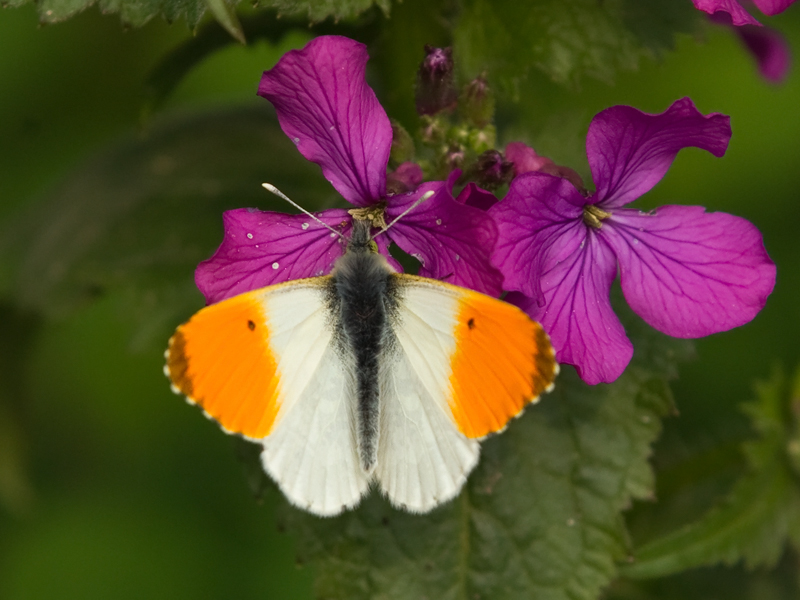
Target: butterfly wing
{"points": [[462, 366], [265, 365]]}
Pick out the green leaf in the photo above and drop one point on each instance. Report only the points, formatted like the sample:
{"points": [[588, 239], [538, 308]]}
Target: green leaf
{"points": [[539, 518], [754, 522], [655, 22], [567, 39], [141, 216], [139, 12], [225, 15], [318, 10]]}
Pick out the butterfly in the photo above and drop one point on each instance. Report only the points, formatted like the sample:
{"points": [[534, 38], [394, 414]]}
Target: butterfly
{"points": [[364, 376]]}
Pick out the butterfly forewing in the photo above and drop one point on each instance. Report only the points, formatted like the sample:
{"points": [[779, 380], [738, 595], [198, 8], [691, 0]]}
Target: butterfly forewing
{"points": [[264, 365]]}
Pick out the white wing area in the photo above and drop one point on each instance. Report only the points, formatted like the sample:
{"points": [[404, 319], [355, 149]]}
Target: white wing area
{"points": [[423, 459], [311, 451]]}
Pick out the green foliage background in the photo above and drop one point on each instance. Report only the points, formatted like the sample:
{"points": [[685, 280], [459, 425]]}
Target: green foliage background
{"points": [[111, 487]]}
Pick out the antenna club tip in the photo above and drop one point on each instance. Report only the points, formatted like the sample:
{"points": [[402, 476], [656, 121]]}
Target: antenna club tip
{"points": [[269, 187]]}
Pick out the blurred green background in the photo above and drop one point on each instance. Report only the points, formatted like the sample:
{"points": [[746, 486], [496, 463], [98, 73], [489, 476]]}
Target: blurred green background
{"points": [[111, 487]]}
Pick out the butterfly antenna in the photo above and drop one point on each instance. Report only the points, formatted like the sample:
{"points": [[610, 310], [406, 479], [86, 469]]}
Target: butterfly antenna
{"points": [[271, 188], [419, 201]]}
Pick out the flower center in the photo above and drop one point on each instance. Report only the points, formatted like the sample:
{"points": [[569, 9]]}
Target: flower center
{"points": [[593, 216], [374, 214]]}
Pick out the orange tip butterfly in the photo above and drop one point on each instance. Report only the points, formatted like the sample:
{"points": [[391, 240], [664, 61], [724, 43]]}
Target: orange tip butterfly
{"points": [[364, 376]]}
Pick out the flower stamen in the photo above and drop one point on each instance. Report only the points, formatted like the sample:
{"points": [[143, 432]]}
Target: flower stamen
{"points": [[593, 216]]}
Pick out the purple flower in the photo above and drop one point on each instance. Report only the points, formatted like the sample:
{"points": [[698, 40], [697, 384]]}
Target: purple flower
{"points": [[769, 48], [325, 106], [686, 272], [739, 16]]}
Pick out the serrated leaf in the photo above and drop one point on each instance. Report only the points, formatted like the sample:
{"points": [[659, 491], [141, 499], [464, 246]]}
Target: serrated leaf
{"points": [[567, 39], [139, 12], [539, 518], [225, 15], [754, 522], [318, 10], [141, 216]]}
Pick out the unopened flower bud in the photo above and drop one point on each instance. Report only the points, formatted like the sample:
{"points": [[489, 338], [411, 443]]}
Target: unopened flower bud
{"points": [[405, 178], [435, 89], [491, 170], [454, 158], [477, 102]]}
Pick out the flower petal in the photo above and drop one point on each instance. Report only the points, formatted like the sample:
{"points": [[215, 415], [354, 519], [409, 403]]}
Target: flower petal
{"points": [[453, 241], [739, 16], [773, 7], [577, 312], [264, 248], [539, 215], [630, 151], [770, 49], [472, 195], [689, 273], [525, 158], [325, 106]]}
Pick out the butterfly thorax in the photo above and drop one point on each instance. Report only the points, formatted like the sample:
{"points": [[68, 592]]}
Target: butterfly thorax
{"points": [[365, 293]]}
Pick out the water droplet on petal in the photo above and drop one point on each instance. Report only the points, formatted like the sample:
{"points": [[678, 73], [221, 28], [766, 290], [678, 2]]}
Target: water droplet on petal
{"points": [[332, 235], [296, 140], [438, 221], [635, 241], [583, 243], [332, 127], [249, 236], [458, 257], [304, 226], [275, 265]]}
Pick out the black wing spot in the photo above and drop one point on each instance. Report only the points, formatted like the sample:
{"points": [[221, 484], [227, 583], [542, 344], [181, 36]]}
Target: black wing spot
{"points": [[251, 325], [471, 323]]}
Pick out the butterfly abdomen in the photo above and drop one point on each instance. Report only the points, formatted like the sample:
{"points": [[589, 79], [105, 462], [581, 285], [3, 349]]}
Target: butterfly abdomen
{"points": [[366, 296]]}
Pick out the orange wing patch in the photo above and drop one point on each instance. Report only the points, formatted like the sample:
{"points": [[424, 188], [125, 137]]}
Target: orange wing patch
{"points": [[503, 361], [221, 360]]}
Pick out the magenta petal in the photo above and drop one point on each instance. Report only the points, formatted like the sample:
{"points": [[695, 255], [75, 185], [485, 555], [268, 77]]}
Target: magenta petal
{"points": [[537, 214], [264, 248], [770, 49], [630, 151], [325, 106], [472, 195], [739, 16], [773, 7], [454, 242], [689, 273], [577, 313], [525, 158]]}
